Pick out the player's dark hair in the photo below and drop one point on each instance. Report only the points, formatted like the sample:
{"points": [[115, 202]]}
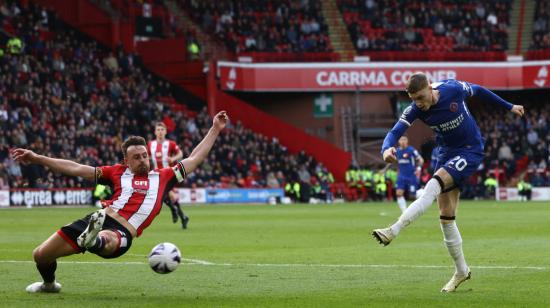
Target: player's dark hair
{"points": [[417, 82], [161, 124], [130, 141]]}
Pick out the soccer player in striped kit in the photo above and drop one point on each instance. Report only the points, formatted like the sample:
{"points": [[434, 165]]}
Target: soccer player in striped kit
{"points": [[166, 153], [137, 200]]}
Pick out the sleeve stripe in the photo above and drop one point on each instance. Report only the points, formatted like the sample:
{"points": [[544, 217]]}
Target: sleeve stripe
{"points": [[183, 168], [405, 121], [179, 171]]}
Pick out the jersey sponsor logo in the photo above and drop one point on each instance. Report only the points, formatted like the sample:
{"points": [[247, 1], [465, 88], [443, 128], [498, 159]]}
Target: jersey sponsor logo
{"points": [[405, 155], [140, 186], [158, 154], [454, 107], [447, 126]]}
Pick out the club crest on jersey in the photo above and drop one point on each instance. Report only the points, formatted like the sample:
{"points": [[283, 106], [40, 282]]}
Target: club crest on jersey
{"points": [[158, 154], [140, 186], [405, 155], [454, 107]]}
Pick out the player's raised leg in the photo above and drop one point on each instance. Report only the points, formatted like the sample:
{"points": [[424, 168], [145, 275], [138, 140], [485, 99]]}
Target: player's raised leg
{"points": [[434, 187], [103, 235], [45, 256], [448, 204]]}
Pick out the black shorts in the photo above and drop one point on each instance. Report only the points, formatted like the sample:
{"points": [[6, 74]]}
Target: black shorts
{"points": [[71, 232]]}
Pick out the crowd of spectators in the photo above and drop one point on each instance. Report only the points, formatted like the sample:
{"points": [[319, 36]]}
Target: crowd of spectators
{"points": [[67, 97], [263, 26], [541, 26], [243, 158], [509, 138], [435, 25]]}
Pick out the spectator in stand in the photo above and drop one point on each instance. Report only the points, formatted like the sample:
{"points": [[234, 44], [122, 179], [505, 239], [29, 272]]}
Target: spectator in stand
{"points": [[532, 137], [504, 152]]}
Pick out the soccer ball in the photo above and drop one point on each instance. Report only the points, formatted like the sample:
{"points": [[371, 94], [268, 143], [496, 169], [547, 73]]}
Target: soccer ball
{"points": [[164, 258]]}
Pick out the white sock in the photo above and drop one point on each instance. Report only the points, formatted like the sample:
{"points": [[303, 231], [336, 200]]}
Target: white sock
{"points": [[402, 203], [418, 207], [453, 241]]}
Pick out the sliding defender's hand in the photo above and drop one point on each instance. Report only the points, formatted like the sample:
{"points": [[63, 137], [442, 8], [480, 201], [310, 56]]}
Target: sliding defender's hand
{"points": [[24, 156], [220, 120]]}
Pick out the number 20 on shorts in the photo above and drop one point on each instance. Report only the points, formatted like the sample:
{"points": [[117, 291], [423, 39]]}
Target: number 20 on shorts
{"points": [[458, 163]]}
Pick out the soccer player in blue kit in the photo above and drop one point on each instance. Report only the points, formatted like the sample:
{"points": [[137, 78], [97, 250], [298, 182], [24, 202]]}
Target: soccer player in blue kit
{"points": [[408, 161], [442, 106]]}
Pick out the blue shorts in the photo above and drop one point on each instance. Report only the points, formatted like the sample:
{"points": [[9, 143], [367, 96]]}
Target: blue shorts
{"points": [[459, 163], [407, 183]]}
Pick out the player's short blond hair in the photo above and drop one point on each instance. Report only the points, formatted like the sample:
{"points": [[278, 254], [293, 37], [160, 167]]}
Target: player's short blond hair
{"points": [[161, 124], [417, 82]]}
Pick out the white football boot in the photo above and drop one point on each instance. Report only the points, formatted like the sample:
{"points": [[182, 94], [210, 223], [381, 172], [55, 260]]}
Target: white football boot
{"points": [[455, 281], [87, 238], [384, 236], [40, 286]]}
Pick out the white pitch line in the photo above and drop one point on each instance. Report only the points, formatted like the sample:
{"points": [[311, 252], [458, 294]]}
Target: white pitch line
{"points": [[193, 261], [200, 262], [206, 263]]}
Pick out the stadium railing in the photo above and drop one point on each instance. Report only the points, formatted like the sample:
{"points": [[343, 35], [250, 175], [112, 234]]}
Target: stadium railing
{"points": [[290, 57], [537, 54], [435, 55]]}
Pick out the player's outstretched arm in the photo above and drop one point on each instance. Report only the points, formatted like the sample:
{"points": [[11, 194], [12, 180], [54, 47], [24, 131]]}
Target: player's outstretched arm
{"points": [[488, 96], [203, 148], [64, 166]]}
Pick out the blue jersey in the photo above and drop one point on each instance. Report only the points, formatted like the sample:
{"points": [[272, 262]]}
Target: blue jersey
{"points": [[450, 118], [457, 134], [406, 159], [433, 158]]}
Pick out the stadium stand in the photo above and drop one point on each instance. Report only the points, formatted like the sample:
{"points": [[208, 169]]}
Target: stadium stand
{"points": [[541, 26], [54, 89], [53, 99], [435, 30], [261, 28]]}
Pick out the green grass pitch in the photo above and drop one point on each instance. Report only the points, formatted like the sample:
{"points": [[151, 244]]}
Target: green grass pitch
{"points": [[293, 256]]}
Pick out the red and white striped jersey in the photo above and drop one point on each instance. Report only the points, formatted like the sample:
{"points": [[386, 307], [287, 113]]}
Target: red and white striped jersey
{"points": [[160, 151], [139, 198]]}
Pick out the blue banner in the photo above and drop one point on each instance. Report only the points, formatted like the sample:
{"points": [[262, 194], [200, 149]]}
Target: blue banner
{"points": [[242, 195]]}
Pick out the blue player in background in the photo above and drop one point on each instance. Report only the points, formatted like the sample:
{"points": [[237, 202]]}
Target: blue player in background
{"points": [[409, 162], [442, 106]]}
